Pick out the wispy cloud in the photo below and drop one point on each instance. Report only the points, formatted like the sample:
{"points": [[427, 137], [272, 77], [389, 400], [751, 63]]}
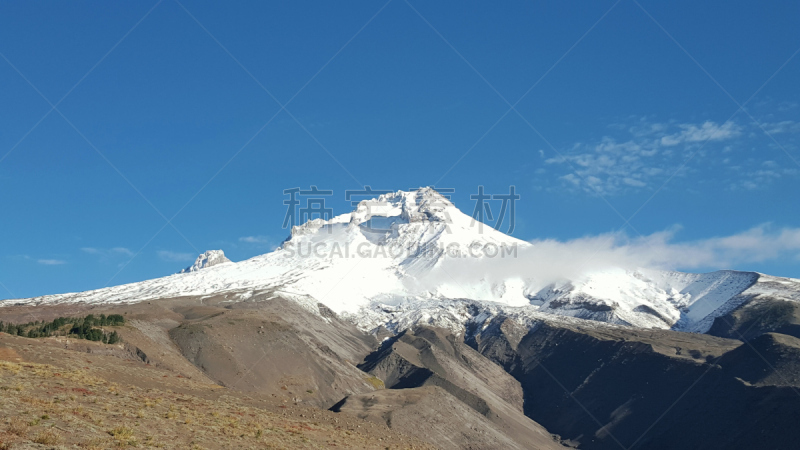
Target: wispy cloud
{"points": [[42, 261], [116, 251], [645, 154], [171, 256], [754, 175], [261, 241], [786, 126], [708, 131], [51, 262], [660, 250], [610, 166], [551, 260], [255, 239]]}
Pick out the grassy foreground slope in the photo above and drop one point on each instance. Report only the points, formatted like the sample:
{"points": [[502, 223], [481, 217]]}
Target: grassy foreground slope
{"points": [[51, 397]]}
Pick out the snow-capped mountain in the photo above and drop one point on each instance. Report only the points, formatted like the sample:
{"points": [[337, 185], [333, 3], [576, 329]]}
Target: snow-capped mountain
{"points": [[377, 252], [207, 259], [402, 258]]}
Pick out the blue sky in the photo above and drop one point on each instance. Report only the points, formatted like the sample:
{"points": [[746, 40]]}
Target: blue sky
{"points": [[620, 110]]}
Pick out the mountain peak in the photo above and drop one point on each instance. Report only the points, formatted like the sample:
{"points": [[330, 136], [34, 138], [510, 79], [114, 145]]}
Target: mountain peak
{"points": [[418, 215], [207, 259], [424, 204]]}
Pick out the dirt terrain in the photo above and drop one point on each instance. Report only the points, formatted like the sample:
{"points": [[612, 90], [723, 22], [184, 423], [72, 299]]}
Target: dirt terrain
{"points": [[57, 397], [263, 370], [433, 412], [267, 372], [448, 372], [280, 355], [275, 347]]}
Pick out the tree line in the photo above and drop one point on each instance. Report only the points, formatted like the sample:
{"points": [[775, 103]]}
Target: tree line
{"points": [[76, 327]]}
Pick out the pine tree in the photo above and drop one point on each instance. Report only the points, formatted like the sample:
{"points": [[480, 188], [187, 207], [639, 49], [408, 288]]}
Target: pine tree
{"points": [[81, 328]]}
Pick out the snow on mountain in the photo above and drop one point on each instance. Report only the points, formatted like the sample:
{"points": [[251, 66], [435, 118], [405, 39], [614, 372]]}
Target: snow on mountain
{"points": [[208, 259], [384, 265], [374, 253], [647, 298]]}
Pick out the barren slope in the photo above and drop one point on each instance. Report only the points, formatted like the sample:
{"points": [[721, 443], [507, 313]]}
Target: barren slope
{"points": [[433, 357], [50, 396]]}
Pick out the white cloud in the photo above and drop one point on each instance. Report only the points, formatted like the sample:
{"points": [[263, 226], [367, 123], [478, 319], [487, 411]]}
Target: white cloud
{"points": [[118, 251], [263, 241], [786, 126], [551, 260], [645, 158], [611, 166], [51, 262], [633, 182], [254, 239], [171, 256], [708, 131], [752, 177]]}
